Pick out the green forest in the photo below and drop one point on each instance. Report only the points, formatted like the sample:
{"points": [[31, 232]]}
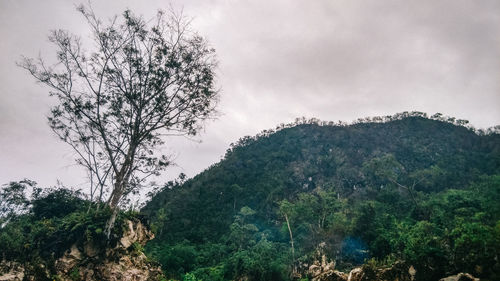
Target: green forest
{"points": [[406, 188], [130, 91]]}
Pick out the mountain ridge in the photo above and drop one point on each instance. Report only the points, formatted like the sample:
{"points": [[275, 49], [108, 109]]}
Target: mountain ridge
{"points": [[397, 164]]}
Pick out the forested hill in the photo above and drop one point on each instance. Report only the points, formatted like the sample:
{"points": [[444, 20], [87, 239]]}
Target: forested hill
{"points": [[331, 181]]}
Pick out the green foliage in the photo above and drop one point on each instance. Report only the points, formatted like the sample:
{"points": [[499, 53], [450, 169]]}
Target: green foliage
{"points": [[394, 189], [215, 273], [190, 277], [58, 203], [75, 274], [180, 258], [57, 219], [137, 248], [139, 81], [474, 245], [263, 261], [14, 198], [367, 193], [423, 247]]}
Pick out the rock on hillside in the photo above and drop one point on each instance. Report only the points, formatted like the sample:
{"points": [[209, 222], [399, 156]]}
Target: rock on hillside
{"points": [[397, 272], [125, 261], [460, 277]]}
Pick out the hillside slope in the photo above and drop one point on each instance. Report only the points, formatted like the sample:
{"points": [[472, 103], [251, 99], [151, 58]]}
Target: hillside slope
{"points": [[343, 186]]}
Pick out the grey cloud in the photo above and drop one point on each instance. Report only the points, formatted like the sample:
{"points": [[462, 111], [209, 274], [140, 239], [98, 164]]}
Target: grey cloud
{"points": [[335, 60]]}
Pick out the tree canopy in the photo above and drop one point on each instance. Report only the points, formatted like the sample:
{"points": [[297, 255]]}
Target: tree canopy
{"points": [[407, 187], [140, 81]]}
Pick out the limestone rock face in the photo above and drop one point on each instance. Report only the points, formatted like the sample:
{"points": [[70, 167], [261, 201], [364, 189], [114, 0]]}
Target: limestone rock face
{"points": [[356, 274], [322, 269], [89, 262], [11, 271], [122, 262], [127, 268], [333, 275], [135, 233], [325, 271], [70, 259], [460, 277], [397, 272]]}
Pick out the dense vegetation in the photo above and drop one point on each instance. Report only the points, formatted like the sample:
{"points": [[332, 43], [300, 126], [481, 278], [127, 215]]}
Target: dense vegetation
{"points": [[381, 190], [40, 225], [404, 187]]}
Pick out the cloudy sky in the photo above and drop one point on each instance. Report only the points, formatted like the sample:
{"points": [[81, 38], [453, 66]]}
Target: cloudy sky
{"points": [[330, 59]]}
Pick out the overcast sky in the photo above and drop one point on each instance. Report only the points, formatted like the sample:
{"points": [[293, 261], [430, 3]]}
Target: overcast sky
{"points": [[334, 60]]}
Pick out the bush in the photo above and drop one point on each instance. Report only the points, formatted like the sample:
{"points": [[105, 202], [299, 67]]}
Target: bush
{"points": [[56, 221], [57, 204]]}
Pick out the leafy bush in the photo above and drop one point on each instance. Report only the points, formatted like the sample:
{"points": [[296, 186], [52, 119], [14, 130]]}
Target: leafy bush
{"points": [[57, 220], [57, 204]]}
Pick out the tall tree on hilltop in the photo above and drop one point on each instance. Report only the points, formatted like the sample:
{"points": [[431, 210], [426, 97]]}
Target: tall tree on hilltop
{"points": [[143, 80]]}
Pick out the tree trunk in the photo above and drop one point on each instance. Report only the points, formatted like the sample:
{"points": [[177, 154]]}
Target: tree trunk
{"points": [[113, 201], [122, 179], [111, 222], [291, 242]]}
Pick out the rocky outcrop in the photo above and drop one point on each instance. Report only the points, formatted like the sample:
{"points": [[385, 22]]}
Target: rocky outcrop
{"points": [[397, 272], [460, 277], [333, 275], [124, 261], [322, 270], [11, 271], [135, 232], [325, 271]]}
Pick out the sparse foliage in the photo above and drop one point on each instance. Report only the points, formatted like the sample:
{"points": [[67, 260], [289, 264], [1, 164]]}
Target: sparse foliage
{"points": [[15, 199], [142, 81]]}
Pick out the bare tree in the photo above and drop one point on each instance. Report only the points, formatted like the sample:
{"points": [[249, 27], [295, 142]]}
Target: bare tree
{"points": [[142, 80]]}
